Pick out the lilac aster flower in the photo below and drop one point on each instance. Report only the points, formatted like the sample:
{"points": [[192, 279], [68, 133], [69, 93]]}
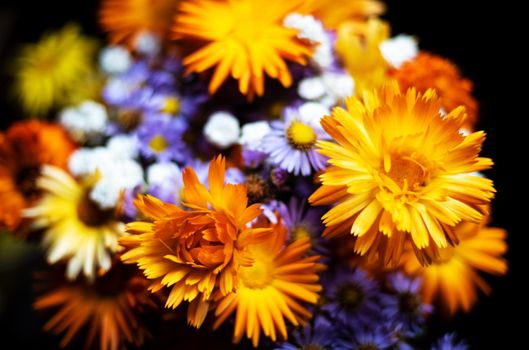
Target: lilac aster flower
{"points": [[405, 307], [353, 298], [291, 143], [372, 337], [161, 138], [449, 342], [320, 334]]}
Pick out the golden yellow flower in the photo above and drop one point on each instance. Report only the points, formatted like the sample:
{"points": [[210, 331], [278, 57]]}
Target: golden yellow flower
{"points": [[126, 19], [77, 231], [49, 72], [359, 49], [333, 13], [244, 39], [453, 278], [400, 172], [272, 288], [197, 251]]}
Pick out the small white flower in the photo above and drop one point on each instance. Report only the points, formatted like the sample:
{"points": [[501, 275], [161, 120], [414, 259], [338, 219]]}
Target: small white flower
{"points": [[222, 129], [123, 146], [115, 60], [311, 88], [253, 133], [85, 120], [399, 49], [338, 85], [148, 44], [312, 111], [160, 173]]}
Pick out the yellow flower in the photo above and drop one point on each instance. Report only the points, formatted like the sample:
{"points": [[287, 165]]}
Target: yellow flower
{"points": [[272, 288], [400, 172], [49, 72], [198, 251], [359, 49], [453, 278], [244, 39], [333, 13], [76, 230]]}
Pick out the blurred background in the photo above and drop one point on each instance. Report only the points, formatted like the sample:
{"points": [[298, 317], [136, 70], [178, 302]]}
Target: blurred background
{"points": [[480, 37]]}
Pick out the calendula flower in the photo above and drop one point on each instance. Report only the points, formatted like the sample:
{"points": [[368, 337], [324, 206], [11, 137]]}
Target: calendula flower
{"points": [[453, 278], [400, 172], [359, 49], [108, 309], [77, 230], [244, 39], [127, 20], [51, 72], [272, 288], [334, 13], [428, 71], [24, 148], [198, 251]]}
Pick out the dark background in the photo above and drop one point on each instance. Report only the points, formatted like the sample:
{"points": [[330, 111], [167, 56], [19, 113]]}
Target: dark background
{"points": [[482, 37]]}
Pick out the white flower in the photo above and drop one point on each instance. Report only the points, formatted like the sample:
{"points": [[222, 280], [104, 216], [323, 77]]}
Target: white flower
{"points": [[338, 85], [123, 146], [313, 112], [253, 133], [399, 49], [148, 44], [222, 129], [85, 120], [160, 173], [115, 60], [312, 88]]}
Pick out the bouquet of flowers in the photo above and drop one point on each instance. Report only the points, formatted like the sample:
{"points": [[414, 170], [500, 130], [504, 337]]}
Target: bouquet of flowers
{"points": [[273, 174]]}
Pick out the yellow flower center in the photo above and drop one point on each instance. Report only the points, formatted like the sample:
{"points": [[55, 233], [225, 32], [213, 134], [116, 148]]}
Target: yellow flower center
{"points": [[257, 276], [406, 172], [171, 106], [158, 144], [300, 232], [301, 135]]}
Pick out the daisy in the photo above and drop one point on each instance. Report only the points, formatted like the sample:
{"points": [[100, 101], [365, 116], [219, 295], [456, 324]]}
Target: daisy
{"points": [[24, 148], [199, 251], [244, 39], [53, 71], [161, 138], [291, 144], [272, 288], [76, 230], [401, 173]]}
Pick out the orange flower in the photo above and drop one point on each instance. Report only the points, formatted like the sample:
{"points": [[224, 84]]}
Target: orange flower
{"points": [[108, 309], [453, 279], [196, 251], [429, 71], [126, 19], [24, 147], [333, 13]]}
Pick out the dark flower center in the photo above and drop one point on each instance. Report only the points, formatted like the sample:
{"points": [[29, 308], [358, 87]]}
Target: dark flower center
{"points": [[91, 214], [129, 119], [350, 296], [367, 346], [409, 303], [257, 188], [26, 181], [312, 346]]}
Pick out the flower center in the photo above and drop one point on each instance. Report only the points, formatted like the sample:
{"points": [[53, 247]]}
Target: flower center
{"points": [[129, 119], [367, 346], [409, 303], [158, 144], [300, 232], [301, 135], [257, 188], [257, 276], [312, 347], [350, 296], [406, 172], [90, 213], [171, 106], [26, 181]]}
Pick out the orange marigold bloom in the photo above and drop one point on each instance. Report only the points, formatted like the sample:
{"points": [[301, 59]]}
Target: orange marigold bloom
{"points": [[453, 278], [244, 39], [400, 172], [126, 19], [334, 13], [428, 71], [273, 288], [196, 251], [108, 309], [24, 148]]}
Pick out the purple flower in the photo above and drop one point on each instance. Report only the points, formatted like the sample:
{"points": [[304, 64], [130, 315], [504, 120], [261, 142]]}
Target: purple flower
{"points": [[291, 143], [319, 334], [448, 342], [160, 138], [373, 337], [405, 307]]}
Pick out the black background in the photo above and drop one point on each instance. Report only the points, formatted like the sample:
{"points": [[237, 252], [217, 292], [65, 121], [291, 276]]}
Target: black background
{"points": [[483, 37]]}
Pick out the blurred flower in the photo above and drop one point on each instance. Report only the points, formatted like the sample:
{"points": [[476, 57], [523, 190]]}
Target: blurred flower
{"points": [[127, 20], [428, 71], [292, 142], [271, 288], [407, 177], [115, 59], [452, 279], [24, 148], [359, 49], [222, 129], [77, 231], [161, 138], [108, 309], [243, 39], [400, 49], [319, 334], [373, 337], [84, 122], [199, 251], [165, 182], [50, 72], [334, 13], [449, 342]]}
